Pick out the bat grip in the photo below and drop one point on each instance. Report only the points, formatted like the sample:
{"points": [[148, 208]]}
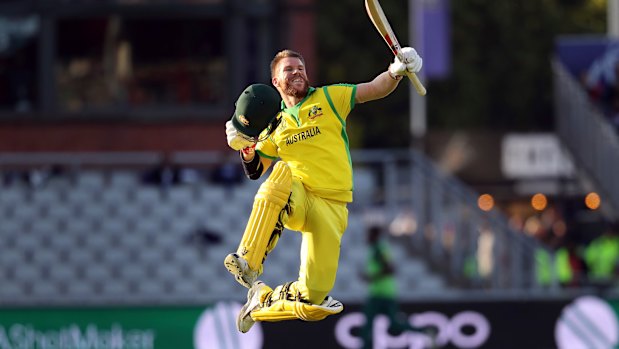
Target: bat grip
{"points": [[417, 83]]}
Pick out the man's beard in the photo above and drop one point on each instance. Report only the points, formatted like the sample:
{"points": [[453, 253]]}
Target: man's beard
{"points": [[291, 91]]}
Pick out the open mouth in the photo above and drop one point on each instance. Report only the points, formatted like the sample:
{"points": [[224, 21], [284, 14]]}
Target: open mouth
{"points": [[297, 81]]}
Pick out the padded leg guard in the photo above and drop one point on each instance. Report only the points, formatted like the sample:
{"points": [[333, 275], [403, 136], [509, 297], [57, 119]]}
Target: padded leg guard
{"points": [[261, 235], [284, 303]]}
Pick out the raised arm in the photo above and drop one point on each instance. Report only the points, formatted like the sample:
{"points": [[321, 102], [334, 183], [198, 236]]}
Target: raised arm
{"points": [[380, 87], [386, 82]]}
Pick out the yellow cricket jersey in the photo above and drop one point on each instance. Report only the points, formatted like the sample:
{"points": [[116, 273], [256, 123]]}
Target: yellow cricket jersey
{"points": [[312, 139]]}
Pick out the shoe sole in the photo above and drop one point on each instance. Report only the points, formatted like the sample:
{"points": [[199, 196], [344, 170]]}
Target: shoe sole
{"points": [[246, 312], [234, 267]]}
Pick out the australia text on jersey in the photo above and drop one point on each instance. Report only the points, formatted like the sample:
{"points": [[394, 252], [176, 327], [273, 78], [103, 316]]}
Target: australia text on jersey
{"points": [[301, 136]]}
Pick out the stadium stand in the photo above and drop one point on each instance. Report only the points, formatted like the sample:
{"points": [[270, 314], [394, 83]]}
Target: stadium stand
{"points": [[100, 235]]}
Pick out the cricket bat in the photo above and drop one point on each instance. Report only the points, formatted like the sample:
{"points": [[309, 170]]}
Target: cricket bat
{"points": [[377, 16]]}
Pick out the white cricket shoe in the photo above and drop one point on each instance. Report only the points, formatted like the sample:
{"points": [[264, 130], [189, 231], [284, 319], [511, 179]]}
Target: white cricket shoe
{"points": [[244, 322], [332, 304], [238, 267]]}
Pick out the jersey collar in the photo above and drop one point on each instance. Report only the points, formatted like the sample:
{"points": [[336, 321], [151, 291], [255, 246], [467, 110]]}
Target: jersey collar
{"points": [[310, 90]]}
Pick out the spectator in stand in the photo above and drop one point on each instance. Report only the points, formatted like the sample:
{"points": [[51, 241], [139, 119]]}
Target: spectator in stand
{"points": [[168, 173], [229, 173], [570, 264], [164, 174], [602, 257]]}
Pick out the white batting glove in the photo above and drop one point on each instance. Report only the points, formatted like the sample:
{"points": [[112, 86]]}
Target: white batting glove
{"points": [[411, 62], [235, 140]]}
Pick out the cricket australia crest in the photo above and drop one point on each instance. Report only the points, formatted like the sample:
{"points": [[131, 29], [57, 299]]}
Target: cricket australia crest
{"points": [[314, 112], [243, 120]]}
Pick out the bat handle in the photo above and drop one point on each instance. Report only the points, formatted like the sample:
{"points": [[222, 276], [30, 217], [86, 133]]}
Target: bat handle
{"points": [[417, 83]]}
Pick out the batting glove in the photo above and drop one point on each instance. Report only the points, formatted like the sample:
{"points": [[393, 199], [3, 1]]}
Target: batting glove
{"points": [[236, 140], [411, 62]]}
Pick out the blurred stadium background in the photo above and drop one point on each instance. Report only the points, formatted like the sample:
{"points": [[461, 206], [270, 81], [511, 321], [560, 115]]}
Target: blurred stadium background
{"points": [[119, 197]]}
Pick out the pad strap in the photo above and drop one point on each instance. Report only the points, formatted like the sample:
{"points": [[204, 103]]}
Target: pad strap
{"points": [[285, 303]]}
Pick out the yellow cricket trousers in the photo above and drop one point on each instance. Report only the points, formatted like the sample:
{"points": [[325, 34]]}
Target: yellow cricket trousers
{"points": [[322, 223]]}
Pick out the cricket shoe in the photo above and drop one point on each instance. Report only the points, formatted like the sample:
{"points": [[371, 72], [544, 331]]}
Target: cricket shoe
{"points": [[332, 304], [238, 267], [244, 322]]}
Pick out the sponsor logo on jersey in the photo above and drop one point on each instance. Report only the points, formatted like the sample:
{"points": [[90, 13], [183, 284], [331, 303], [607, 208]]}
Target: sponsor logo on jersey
{"points": [[304, 135]]}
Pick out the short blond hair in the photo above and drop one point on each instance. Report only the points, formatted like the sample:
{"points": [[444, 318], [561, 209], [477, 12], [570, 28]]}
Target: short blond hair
{"points": [[284, 54]]}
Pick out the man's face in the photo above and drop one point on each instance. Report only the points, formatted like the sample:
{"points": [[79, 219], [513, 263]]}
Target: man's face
{"points": [[291, 78]]}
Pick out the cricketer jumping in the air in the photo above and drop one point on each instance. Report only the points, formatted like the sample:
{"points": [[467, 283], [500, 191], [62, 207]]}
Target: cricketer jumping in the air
{"points": [[310, 185]]}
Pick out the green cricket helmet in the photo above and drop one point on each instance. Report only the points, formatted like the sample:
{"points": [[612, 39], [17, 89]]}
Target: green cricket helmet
{"points": [[256, 111]]}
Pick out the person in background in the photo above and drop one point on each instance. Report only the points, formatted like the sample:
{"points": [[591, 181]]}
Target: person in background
{"points": [[602, 257], [572, 270], [380, 274]]}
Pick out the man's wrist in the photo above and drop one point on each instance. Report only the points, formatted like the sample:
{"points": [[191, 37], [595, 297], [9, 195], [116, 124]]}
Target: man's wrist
{"points": [[247, 157], [394, 76], [252, 167], [248, 153]]}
